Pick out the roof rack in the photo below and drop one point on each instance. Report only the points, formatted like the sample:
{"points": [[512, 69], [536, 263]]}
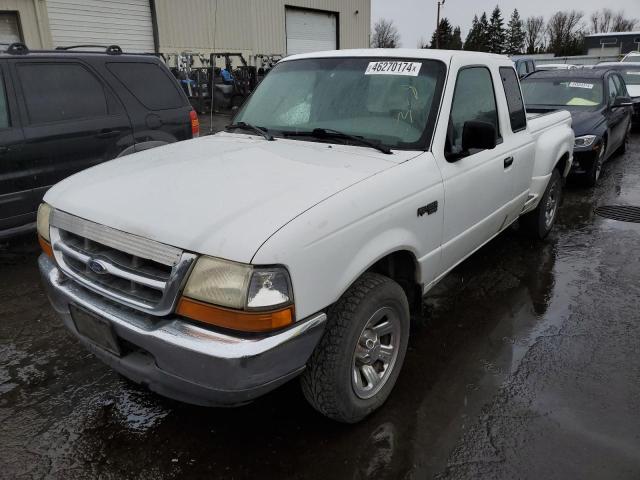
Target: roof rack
{"points": [[110, 50]]}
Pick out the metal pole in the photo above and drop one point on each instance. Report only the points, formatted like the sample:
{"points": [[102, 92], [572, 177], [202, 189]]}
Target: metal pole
{"points": [[440, 3]]}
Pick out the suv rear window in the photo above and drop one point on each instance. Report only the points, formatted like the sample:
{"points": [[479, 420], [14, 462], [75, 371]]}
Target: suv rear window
{"points": [[149, 83], [61, 91]]}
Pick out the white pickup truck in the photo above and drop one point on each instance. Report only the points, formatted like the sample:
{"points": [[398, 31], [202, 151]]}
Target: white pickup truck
{"points": [[300, 241]]}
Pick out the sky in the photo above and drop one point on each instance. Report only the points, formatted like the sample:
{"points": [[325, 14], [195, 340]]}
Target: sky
{"points": [[417, 18]]}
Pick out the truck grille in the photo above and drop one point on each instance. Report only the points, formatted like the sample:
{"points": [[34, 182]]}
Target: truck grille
{"points": [[131, 270]]}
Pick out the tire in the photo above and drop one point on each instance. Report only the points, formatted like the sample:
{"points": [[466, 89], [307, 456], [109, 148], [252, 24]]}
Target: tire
{"points": [[593, 174], [539, 222], [339, 381]]}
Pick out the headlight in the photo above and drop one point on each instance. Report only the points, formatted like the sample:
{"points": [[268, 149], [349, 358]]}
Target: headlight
{"points": [[255, 299], [219, 282], [44, 214], [584, 141]]}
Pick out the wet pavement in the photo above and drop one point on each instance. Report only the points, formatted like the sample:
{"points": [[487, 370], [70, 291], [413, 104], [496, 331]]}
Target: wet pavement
{"points": [[527, 366]]}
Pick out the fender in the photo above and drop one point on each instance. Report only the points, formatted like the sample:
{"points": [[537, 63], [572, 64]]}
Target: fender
{"points": [[551, 146]]}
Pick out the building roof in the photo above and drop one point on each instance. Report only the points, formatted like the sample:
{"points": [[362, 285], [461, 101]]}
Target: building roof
{"points": [[612, 34]]}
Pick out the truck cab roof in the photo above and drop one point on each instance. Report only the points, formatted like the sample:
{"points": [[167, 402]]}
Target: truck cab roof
{"points": [[427, 54]]}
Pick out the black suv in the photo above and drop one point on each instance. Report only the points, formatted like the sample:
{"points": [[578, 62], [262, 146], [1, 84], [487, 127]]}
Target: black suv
{"points": [[62, 111]]}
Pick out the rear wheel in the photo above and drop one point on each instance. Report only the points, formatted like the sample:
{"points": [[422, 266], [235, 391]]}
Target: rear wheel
{"points": [[539, 222], [356, 364]]}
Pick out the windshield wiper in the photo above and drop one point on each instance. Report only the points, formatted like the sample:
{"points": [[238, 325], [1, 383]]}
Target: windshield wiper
{"points": [[247, 126], [330, 133]]}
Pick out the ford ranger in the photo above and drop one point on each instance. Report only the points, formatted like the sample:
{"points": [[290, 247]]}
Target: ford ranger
{"points": [[300, 241]]}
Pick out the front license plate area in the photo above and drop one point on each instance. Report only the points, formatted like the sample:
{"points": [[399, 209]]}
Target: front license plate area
{"points": [[96, 329]]}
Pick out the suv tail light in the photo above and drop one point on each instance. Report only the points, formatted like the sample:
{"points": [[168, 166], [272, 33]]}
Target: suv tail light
{"points": [[195, 124]]}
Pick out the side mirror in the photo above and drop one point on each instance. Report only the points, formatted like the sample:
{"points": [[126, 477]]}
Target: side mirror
{"points": [[478, 135], [622, 102]]}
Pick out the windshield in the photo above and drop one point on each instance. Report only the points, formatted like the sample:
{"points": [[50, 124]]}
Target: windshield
{"points": [[564, 92], [393, 102], [631, 76]]}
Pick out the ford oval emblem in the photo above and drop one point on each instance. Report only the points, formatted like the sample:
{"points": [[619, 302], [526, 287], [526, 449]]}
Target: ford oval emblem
{"points": [[97, 266]]}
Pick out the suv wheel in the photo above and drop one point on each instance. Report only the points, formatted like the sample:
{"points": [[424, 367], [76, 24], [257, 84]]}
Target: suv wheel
{"points": [[539, 222], [356, 364]]}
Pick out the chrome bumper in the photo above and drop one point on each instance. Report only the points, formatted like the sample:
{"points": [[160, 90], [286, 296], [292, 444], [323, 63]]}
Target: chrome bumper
{"points": [[181, 360]]}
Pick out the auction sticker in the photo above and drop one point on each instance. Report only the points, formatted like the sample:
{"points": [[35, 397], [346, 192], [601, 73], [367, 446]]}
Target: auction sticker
{"points": [[409, 69], [588, 86]]}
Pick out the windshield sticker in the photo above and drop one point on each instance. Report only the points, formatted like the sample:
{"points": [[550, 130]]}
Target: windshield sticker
{"points": [[588, 86], [409, 69]]}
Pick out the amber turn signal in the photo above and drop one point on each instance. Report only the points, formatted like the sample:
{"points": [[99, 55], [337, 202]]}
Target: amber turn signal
{"points": [[235, 319], [45, 246]]}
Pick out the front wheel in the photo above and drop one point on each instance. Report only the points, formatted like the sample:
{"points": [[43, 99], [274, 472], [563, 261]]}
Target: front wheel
{"points": [[594, 172], [356, 364], [539, 222]]}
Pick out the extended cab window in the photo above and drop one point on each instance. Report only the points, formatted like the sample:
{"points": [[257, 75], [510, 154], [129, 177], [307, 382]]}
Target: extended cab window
{"points": [[149, 83], [474, 100], [4, 108], [517, 114], [60, 91]]}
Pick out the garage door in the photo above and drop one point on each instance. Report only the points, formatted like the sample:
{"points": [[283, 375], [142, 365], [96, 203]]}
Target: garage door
{"points": [[9, 30], [97, 22], [309, 31]]}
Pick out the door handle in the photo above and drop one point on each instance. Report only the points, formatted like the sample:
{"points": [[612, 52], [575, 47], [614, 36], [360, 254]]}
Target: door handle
{"points": [[508, 162], [108, 133], [4, 150]]}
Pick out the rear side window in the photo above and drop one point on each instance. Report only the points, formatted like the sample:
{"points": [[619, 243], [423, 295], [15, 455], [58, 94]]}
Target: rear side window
{"points": [[4, 108], [61, 91], [149, 83], [517, 114]]}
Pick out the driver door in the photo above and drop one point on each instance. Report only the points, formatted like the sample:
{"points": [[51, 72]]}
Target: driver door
{"points": [[478, 185]]}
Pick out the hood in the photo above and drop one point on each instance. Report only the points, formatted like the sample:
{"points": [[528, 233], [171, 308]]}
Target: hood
{"points": [[587, 122], [633, 90], [221, 195]]}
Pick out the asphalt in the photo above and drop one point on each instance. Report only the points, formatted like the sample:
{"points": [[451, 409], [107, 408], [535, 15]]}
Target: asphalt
{"points": [[527, 365]]}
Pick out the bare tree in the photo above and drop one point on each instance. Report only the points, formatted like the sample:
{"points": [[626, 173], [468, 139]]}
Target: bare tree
{"points": [[565, 33], [606, 20], [622, 24], [385, 35], [534, 34]]}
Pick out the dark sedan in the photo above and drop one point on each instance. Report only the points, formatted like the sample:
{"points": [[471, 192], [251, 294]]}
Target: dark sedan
{"points": [[599, 104], [631, 75]]}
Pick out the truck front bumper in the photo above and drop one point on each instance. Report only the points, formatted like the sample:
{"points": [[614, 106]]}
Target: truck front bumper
{"points": [[183, 361]]}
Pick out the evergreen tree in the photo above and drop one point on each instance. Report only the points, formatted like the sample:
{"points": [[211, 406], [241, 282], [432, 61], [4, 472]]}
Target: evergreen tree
{"points": [[471, 42], [496, 32], [456, 39], [445, 35], [483, 33], [515, 35]]}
